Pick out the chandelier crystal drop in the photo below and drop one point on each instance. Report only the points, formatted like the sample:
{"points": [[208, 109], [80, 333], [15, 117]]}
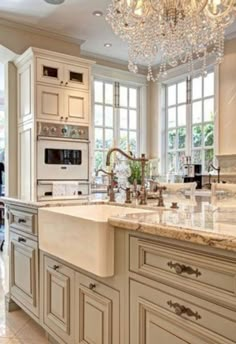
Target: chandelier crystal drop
{"points": [[171, 32]]}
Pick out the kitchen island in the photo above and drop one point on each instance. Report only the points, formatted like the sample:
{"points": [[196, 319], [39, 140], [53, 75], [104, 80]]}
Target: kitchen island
{"points": [[174, 276]]}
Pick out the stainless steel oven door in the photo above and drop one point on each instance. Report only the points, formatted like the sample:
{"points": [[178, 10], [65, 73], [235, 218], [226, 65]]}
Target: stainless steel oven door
{"points": [[60, 159]]}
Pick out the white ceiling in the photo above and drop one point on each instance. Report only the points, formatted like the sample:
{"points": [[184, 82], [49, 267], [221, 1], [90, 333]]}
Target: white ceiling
{"points": [[73, 18]]}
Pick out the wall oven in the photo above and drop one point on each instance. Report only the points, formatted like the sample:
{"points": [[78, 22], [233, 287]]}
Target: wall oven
{"points": [[62, 157]]}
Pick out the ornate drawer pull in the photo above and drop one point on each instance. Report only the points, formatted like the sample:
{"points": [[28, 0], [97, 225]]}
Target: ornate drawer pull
{"points": [[21, 220], [20, 239], [92, 286], [179, 310], [56, 267], [181, 268]]}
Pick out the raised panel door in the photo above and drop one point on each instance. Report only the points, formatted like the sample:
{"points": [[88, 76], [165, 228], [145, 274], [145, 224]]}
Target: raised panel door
{"points": [[24, 271], [49, 103], [96, 312], [76, 106], [25, 93], [58, 299]]}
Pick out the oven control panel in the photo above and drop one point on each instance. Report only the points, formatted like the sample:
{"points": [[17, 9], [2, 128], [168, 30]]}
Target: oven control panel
{"points": [[63, 131]]}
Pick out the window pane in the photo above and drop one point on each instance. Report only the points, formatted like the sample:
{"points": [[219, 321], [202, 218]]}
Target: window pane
{"points": [[133, 141], [171, 139], [209, 110], [98, 138], [171, 162], [197, 157], [182, 92], [197, 112], [133, 97], [181, 115], [209, 134], [171, 95], [108, 116], [123, 140], [133, 119], [123, 119], [108, 138], [123, 96], [98, 91], [209, 85], [172, 117], [197, 136], [209, 156], [197, 88], [180, 160], [98, 115], [98, 160], [181, 138], [109, 94]]}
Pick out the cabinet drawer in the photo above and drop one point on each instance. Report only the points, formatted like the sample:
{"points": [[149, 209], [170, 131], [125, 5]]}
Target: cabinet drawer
{"points": [[96, 312], [24, 277], [58, 299], [23, 221], [177, 317], [200, 272]]}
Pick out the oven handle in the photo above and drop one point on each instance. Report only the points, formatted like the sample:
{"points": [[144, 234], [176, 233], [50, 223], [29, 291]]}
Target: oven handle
{"points": [[61, 139]]}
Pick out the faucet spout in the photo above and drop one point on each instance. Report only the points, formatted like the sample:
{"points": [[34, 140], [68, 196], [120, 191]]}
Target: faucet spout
{"points": [[143, 160]]}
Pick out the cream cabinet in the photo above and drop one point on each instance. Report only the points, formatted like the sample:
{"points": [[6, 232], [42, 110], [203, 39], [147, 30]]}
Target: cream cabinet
{"points": [[24, 272], [64, 74], [169, 316], [60, 104], [97, 315], [58, 299]]}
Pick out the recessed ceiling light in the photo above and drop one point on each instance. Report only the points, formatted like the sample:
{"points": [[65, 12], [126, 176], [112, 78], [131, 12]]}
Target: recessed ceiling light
{"points": [[98, 13], [54, 2], [107, 45]]}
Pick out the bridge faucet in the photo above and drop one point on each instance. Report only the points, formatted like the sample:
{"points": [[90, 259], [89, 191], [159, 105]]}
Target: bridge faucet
{"points": [[143, 160], [216, 169]]}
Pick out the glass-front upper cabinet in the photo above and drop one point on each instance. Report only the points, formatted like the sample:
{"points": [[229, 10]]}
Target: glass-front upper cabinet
{"points": [[66, 75]]}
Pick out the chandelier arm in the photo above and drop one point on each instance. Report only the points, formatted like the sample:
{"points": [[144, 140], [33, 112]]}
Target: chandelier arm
{"points": [[229, 7]]}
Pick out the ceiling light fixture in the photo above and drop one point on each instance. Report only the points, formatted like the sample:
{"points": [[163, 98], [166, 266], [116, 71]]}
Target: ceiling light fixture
{"points": [[107, 45], [176, 31], [98, 13], [55, 2]]}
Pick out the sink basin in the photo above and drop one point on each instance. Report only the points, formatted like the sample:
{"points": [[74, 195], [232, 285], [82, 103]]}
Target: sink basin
{"points": [[81, 235]]}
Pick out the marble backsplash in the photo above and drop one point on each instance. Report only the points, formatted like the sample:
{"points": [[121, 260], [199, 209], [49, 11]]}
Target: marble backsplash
{"points": [[227, 164]]}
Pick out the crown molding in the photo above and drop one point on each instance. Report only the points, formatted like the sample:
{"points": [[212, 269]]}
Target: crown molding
{"points": [[39, 31]]}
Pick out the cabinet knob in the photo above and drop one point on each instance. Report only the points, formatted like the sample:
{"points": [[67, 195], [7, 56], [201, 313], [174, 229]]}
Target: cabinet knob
{"points": [[62, 118], [21, 221], [66, 83], [181, 268], [56, 267], [92, 286], [180, 310], [61, 82], [20, 239], [66, 118]]}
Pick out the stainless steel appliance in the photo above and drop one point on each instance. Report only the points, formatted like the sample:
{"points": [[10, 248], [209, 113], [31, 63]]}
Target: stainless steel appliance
{"points": [[62, 157]]}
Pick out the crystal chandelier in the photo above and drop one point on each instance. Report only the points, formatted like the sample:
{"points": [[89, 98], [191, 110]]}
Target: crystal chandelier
{"points": [[171, 32]]}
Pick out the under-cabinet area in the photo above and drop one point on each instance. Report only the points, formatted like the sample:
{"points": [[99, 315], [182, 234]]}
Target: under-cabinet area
{"points": [[162, 289]]}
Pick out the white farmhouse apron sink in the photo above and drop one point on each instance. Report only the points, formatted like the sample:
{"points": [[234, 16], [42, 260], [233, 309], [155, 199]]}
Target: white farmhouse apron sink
{"points": [[81, 235]]}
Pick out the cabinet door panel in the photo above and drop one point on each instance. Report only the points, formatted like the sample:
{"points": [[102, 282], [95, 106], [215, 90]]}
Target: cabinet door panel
{"points": [[76, 77], [58, 299], [25, 93], [97, 312], [24, 271], [49, 102], [50, 72], [76, 106]]}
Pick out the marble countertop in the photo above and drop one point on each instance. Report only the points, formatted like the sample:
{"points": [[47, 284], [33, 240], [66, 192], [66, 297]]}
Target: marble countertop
{"points": [[202, 224], [195, 221]]}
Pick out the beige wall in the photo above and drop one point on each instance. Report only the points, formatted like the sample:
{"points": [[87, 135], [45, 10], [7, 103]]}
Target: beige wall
{"points": [[19, 38], [227, 100]]}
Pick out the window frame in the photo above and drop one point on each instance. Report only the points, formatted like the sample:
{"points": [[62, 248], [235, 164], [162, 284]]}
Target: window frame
{"points": [[116, 117], [189, 124]]}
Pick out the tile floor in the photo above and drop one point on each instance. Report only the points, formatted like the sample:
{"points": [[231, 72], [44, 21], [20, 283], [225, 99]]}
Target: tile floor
{"points": [[16, 327]]}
